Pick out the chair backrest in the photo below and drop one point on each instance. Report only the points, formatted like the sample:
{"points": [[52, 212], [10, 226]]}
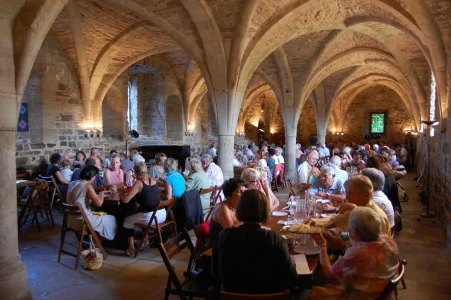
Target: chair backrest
{"points": [[169, 249], [209, 190], [167, 204], [235, 296], [69, 209], [60, 194], [392, 284], [218, 195], [46, 178], [292, 193]]}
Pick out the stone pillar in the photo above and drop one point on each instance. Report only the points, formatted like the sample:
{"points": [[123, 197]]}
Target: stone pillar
{"points": [[225, 154], [13, 272], [321, 138], [290, 156]]}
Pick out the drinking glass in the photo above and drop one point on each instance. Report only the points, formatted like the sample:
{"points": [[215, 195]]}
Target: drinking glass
{"points": [[301, 211]]}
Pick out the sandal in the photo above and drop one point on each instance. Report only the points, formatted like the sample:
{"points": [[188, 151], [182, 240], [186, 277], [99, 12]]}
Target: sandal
{"points": [[130, 254]]}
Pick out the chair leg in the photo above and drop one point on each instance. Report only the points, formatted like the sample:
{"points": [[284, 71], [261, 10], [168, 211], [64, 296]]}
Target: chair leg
{"points": [[63, 237], [168, 287], [80, 244], [403, 283], [35, 212]]}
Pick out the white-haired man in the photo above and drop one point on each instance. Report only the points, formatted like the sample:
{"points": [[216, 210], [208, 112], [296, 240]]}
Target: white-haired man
{"points": [[339, 173], [329, 186], [306, 171], [213, 171], [378, 180]]}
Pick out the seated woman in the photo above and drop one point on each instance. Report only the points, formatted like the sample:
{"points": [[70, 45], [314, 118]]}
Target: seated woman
{"points": [[54, 170], [79, 161], [223, 215], [264, 178], [272, 161], [82, 192], [249, 259], [157, 170], [369, 263], [198, 179], [146, 194], [174, 183], [114, 176], [253, 180]]}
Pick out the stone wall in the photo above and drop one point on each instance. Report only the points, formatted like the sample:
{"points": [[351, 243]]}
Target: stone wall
{"points": [[375, 99], [306, 125], [56, 115]]}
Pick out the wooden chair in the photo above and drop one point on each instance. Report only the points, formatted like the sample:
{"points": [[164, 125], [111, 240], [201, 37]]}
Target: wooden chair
{"points": [[398, 219], [188, 287], [37, 202], [290, 187], [214, 199], [235, 296], [393, 284], [77, 211], [58, 191], [52, 189], [274, 186], [170, 220]]}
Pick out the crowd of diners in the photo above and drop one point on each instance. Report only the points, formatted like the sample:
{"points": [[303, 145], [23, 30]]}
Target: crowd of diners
{"points": [[360, 181]]}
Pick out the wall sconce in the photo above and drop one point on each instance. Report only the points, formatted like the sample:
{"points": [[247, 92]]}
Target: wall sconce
{"points": [[190, 133], [88, 131], [337, 133], [241, 134], [93, 133], [414, 133], [99, 133]]}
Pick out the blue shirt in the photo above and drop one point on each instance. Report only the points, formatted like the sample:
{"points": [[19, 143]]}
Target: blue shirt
{"points": [[177, 182], [337, 188]]}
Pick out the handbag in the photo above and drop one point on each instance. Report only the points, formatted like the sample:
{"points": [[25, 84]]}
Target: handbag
{"points": [[93, 259]]}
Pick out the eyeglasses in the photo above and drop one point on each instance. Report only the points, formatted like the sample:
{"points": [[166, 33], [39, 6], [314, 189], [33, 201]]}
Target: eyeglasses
{"points": [[325, 176]]}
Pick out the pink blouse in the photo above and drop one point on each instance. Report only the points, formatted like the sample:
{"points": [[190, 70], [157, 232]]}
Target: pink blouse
{"points": [[117, 179]]}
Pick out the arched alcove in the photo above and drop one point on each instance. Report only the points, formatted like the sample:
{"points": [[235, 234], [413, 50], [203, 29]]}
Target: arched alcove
{"points": [[174, 121], [113, 113]]}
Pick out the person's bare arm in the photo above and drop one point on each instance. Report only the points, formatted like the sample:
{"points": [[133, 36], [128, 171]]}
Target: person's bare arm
{"points": [[323, 257], [107, 177], [273, 206], [97, 200], [136, 188], [168, 189], [225, 217], [61, 177]]}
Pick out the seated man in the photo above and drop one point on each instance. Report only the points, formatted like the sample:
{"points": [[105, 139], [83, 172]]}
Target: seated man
{"points": [[213, 171], [339, 173], [378, 180], [356, 161], [329, 187], [307, 171], [368, 264], [359, 192]]}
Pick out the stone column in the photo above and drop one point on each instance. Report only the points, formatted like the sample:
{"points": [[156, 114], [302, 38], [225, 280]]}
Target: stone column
{"points": [[321, 138], [290, 155], [225, 154], [13, 272]]}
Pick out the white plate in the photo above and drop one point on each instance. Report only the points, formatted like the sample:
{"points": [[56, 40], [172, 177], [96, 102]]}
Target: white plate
{"points": [[327, 215], [279, 213], [266, 228]]}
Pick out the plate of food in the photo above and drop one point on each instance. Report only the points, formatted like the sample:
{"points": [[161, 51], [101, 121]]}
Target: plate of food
{"points": [[279, 213], [305, 229]]}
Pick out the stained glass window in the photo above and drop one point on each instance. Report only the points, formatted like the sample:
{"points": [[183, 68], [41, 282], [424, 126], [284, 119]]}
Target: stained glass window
{"points": [[378, 123]]}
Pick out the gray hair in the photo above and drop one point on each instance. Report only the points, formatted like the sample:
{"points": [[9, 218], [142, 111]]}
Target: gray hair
{"points": [[335, 160], [313, 152], [261, 170], [206, 158], [140, 170], [280, 150], [366, 222], [346, 150], [329, 167], [375, 146], [138, 158], [171, 164], [298, 146], [250, 174], [376, 176], [194, 165]]}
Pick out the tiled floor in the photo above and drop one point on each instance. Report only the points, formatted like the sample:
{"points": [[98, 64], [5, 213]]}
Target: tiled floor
{"points": [[421, 244]]}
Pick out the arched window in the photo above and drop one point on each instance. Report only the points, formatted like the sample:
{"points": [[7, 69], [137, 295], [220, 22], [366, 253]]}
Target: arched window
{"points": [[132, 111], [432, 103]]}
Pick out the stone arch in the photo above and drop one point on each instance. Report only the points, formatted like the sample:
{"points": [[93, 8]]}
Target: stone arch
{"points": [[174, 124]]}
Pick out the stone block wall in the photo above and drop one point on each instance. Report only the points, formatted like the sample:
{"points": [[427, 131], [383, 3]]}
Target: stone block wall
{"points": [[375, 99]]}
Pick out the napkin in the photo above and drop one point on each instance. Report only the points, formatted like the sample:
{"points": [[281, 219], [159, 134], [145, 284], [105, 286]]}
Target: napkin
{"points": [[301, 264], [282, 222]]}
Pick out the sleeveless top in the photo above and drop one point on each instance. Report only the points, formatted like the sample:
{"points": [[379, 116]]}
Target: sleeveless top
{"points": [[148, 197], [215, 229], [117, 179]]}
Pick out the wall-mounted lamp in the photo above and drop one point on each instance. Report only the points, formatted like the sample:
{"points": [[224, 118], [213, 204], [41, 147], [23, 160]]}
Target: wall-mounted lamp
{"points": [[337, 133], [190, 133], [241, 134], [88, 132]]}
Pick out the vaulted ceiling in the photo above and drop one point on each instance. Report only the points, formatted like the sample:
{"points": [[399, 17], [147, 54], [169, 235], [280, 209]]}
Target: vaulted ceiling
{"points": [[239, 51]]}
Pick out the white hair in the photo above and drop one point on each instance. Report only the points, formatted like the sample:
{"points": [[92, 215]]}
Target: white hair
{"points": [[347, 150], [298, 146], [313, 152], [376, 176], [336, 160], [138, 158], [375, 146], [366, 222], [329, 167], [250, 174], [206, 158]]}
